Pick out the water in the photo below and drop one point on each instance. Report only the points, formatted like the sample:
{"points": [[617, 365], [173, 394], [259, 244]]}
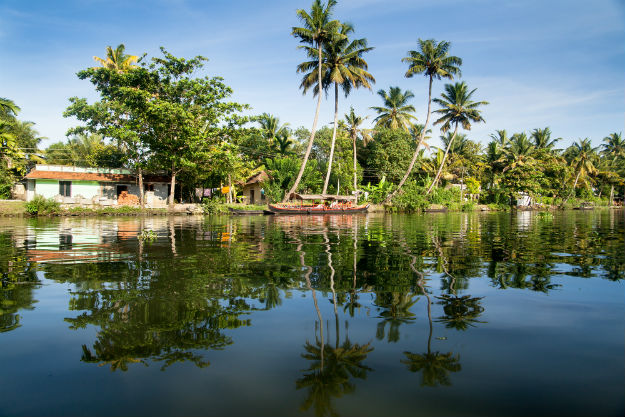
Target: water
{"points": [[442, 314]]}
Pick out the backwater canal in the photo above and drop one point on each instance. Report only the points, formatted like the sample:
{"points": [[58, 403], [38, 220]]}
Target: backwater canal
{"points": [[365, 315]]}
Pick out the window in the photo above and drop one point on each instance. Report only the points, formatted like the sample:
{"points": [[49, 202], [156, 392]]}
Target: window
{"points": [[65, 188], [148, 187]]}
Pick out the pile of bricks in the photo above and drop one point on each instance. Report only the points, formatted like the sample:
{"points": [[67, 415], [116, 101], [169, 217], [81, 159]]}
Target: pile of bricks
{"points": [[127, 199]]}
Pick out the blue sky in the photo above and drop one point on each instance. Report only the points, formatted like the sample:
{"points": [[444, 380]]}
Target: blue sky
{"points": [[539, 63]]}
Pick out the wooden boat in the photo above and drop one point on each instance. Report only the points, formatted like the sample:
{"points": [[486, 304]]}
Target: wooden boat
{"points": [[315, 204]]}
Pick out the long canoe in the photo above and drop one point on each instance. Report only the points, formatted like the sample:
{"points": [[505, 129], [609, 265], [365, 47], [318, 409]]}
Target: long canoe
{"points": [[315, 210]]}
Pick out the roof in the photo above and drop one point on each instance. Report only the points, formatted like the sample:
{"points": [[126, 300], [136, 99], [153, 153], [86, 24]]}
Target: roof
{"points": [[297, 196], [256, 178], [92, 176]]}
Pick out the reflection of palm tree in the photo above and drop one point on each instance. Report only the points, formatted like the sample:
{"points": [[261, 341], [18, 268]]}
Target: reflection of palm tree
{"points": [[460, 312], [396, 312], [332, 367], [435, 366]]}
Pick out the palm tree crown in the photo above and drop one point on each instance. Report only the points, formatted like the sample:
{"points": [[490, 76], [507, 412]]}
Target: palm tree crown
{"points": [[457, 107], [395, 114], [614, 146], [317, 27], [432, 60], [117, 60], [542, 139]]}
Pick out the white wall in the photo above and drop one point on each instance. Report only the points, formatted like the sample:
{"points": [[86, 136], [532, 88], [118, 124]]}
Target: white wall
{"points": [[87, 189], [47, 188]]}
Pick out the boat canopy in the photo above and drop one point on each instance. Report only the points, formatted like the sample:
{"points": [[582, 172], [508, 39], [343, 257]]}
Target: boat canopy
{"points": [[327, 197]]}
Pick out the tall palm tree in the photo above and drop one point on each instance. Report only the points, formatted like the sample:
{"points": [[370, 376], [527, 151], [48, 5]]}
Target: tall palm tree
{"points": [[316, 30], [614, 147], [395, 114], [352, 126], [433, 61], [282, 142], [117, 60], [343, 66], [456, 109], [520, 151], [581, 156]]}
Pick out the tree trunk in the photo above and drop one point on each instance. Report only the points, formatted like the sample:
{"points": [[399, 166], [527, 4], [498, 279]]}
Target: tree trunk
{"points": [[573, 190], [612, 195], [312, 133], [440, 168], [173, 185], [355, 174], [416, 151], [230, 193], [141, 193], [336, 121]]}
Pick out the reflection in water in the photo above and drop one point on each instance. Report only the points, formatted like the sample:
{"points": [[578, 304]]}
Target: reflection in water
{"points": [[241, 286], [332, 366]]}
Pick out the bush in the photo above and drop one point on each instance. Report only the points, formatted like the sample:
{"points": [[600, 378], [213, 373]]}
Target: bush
{"points": [[42, 205], [213, 206]]}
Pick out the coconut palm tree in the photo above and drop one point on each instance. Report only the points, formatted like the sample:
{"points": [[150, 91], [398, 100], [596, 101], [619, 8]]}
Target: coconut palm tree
{"points": [[433, 61], [581, 156], [282, 142], [456, 109], [343, 66], [117, 60], [520, 151], [317, 29], [542, 139], [614, 147], [353, 127], [395, 114], [8, 109], [271, 127]]}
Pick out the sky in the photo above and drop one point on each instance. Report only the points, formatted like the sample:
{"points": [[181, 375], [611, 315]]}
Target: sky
{"points": [[538, 63]]}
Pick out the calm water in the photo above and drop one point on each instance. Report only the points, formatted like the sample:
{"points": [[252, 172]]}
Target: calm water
{"points": [[443, 314]]}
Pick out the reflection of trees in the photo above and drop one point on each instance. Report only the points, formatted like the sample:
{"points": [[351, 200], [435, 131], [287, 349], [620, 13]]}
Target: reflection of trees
{"points": [[18, 280], [460, 312], [434, 366], [332, 366], [395, 312]]}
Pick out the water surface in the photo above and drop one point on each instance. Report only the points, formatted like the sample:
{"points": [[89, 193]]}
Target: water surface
{"points": [[364, 315]]}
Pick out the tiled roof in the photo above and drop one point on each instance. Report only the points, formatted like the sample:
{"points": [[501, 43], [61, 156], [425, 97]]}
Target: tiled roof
{"points": [[259, 177], [86, 176]]}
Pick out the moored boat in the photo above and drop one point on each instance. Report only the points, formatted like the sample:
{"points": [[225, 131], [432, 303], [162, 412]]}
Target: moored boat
{"points": [[315, 204]]}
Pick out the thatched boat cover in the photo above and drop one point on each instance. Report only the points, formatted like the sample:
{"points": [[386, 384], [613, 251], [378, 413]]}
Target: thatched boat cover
{"points": [[296, 196]]}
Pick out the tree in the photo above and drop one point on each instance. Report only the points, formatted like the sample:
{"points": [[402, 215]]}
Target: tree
{"points": [[316, 30], [395, 113], [117, 60], [271, 127], [456, 109], [343, 66], [581, 156], [542, 139], [162, 111], [352, 126], [8, 109], [433, 61]]}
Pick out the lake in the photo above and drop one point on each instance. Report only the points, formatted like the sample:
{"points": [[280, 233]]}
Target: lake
{"points": [[517, 313]]}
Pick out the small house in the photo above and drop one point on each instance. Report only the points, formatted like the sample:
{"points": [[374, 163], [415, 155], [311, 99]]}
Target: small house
{"points": [[85, 186], [253, 190]]}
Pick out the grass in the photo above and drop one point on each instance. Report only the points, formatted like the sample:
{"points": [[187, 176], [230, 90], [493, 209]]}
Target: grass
{"points": [[12, 208]]}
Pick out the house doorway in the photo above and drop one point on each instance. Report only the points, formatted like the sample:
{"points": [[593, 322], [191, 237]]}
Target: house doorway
{"points": [[251, 196]]}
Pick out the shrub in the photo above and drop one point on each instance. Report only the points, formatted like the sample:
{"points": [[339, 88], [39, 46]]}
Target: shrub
{"points": [[213, 206], [42, 205]]}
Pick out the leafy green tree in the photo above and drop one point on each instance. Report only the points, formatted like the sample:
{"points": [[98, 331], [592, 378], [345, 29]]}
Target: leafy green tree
{"points": [[317, 29], [581, 155], [388, 154], [433, 61], [457, 108], [395, 112], [353, 127]]}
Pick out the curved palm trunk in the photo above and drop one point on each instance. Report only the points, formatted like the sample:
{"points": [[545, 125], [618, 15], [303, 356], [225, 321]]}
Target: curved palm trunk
{"points": [[416, 151], [336, 121], [573, 190], [312, 133], [141, 193], [440, 168]]}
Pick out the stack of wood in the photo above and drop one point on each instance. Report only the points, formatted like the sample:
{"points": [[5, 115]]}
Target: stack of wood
{"points": [[127, 199]]}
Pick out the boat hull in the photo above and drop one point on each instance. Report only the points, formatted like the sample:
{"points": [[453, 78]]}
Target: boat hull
{"points": [[306, 211]]}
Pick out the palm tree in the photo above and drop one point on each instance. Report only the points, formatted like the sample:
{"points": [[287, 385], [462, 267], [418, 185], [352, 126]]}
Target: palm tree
{"points": [[457, 109], [542, 139], [581, 155], [352, 125], [343, 66], [520, 151], [8, 108], [316, 30], [270, 126], [282, 143], [117, 60], [614, 150], [395, 114], [433, 61]]}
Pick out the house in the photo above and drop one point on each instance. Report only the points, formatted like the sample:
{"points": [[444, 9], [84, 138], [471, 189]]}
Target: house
{"points": [[253, 190], [92, 186]]}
